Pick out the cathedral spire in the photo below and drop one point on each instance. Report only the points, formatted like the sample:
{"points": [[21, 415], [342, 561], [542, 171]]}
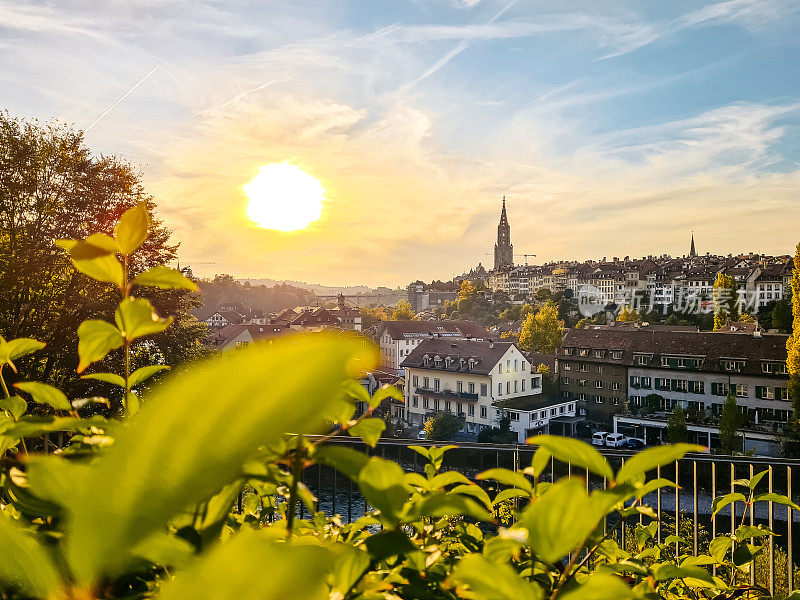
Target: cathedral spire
{"points": [[503, 250], [692, 251]]}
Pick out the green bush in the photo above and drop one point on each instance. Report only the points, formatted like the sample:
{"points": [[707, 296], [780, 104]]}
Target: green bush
{"points": [[141, 507]]}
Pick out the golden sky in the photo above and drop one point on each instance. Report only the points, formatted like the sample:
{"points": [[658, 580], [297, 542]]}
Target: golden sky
{"points": [[611, 134]]}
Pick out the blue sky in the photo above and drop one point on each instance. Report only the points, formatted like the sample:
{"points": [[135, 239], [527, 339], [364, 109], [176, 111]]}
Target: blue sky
{"points": [[613, 128]]}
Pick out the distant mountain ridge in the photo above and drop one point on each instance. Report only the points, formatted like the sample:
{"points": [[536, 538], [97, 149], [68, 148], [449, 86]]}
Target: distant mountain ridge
{"points": [[322, 290]]}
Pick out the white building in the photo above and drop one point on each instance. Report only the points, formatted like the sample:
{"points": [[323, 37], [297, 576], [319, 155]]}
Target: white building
{"points": [[479, 381], [398, 338]]}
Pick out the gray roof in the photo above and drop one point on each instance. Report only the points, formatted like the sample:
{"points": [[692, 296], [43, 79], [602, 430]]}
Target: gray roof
{"points": [[485, 355]]}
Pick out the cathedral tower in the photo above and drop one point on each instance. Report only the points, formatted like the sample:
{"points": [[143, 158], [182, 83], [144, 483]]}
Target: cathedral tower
{"points": [[503, 250]]}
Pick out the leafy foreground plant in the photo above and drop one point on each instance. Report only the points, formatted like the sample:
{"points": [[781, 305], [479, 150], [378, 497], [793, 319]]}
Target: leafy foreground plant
{"points": [[142, 506]]}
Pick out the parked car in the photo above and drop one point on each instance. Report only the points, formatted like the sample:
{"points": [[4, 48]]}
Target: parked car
{"points": [[599, 438], [616, 440], [634, 444], [422, 435]]}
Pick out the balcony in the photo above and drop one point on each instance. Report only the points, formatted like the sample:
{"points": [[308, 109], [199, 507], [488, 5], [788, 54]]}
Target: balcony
{"points": [[447, 394]]}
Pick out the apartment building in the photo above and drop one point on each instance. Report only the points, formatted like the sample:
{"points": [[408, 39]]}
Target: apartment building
{"points": [[397, 339], [480, 381]]}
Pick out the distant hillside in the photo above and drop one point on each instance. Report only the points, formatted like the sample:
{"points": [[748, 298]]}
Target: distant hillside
{"points": [[322, 290]]}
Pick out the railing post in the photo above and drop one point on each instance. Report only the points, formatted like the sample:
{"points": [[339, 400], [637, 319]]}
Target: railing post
{"points": [[677, 509], [771, 538], [752, 523], [789, 525], [694, 498], [658, 504]]}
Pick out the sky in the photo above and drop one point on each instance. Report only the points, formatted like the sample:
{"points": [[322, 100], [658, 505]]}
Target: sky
{"points": [[613, 128]]}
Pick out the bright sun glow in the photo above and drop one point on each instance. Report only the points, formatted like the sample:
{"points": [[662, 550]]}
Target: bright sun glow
{"points": [[284, 197]]}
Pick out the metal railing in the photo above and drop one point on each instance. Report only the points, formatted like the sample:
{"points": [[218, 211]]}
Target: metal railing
{"points": [[700, 478]]}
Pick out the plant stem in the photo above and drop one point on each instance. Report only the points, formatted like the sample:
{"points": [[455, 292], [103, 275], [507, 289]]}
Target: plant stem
{"points": [[297, 472], [3, 381], [127, 348]]}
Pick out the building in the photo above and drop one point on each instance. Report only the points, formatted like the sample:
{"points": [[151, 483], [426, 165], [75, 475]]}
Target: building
{"points": [[223, 318], [397, 339], [349, 318], [482, 381], [239, 335], [503, 249]]}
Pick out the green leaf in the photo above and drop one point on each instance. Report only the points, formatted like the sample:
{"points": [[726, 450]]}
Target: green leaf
{"points": [[510, 494], [14, 405], [570, 450], [640, 463], [137, 318], [672, 571], [131, 230], [343, 459], [442, 480], [96, 339], [103, 268], [745, 532], [777, 499], [721, 502], [356, 391], [30, 426], [756, 478], [172, 454], [540, 461], [111, 378], [599, 586], [487, 580], [509, 478], [388, 543], [348, 569], [560, 520], [13, 349], [369, 430], [382, 483], [166, 279], [236, 569], [144, 373], [652, 485], [451, 505], [45, 394], [475, 491], [719, 547], [386, 391], [26, 565], [96, 245]]}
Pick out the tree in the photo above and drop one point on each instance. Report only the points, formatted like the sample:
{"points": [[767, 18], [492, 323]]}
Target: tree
{"points": [[782, 316], [542, 331], [372, 314], [793, 344], [501, 434], [652, 403], [403, 311], [726, 300], [627, 315], [52, 187], [467, 290], [442, 426], [729, 422], [676, 426], [543, 294]]}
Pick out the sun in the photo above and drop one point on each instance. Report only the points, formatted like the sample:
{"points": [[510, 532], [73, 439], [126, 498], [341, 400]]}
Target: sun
{"points": [[284, 197]]}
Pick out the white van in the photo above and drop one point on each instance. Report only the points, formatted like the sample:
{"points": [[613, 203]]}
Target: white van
{"points": [[599, 438], [616, 440]]}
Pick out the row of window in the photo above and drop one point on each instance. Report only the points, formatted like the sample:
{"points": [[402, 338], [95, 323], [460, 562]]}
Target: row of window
{"points": [[596, 398], [517, 388], [508, 366], [717, 388], [584, 368], [426, 384], [613, 354], [427, 403], [614, 385]]}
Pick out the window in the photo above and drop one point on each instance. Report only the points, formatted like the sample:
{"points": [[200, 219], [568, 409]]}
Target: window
{"points": [[447, 405], [415, 401], [598, 399], [616, 354], [523, 365], [601, 369], [483, 412], [566, 394], [523, 385], [508, 387], [500, 368], [598, 384], [636, 381], [682, 362], [681, 385], [567, 367], [515, 386], [615, 386], [719, 389], [565, 380], [642, 359], [569, 351], [515, 364], [436, 405], [583, 352], [513, 416], [584, 368], [471, 410], [484, 389], [459, 386], [415, 379], [471, 387], [741, 390], [436, 384], [733, 365], [598, 354], [499, 388], [582, 382], [424, 403], [426, 383], [582, 397], [646, 382], [664, 361], [697, 387], [508, 365]]}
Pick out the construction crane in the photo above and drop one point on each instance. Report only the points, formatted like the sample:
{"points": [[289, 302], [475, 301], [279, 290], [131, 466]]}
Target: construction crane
{"points": [[526, 258]]}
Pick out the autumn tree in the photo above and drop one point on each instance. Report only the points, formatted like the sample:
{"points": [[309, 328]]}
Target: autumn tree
{"points": [[442, 426], [542, 331], [403, 311], [52, 187], [726, 300], [793, 343]]}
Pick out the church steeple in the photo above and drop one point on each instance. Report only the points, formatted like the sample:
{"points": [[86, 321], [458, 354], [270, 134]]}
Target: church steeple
{"points": [[692, 251], [503, 250]]}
